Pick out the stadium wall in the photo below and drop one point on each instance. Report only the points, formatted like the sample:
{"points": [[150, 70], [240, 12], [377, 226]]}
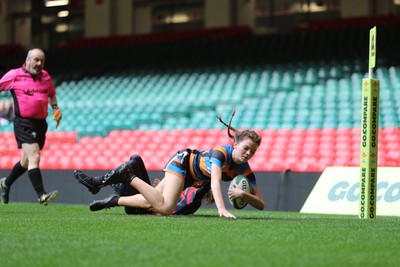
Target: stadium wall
{"points": [[282, 191]]}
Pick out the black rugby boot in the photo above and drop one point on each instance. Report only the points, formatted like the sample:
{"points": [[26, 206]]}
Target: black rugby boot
{"points": [[91, 183], [108, 202], [121, 174]]}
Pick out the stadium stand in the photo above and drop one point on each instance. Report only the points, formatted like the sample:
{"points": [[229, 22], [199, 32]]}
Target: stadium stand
{"points": [[153, 95]]}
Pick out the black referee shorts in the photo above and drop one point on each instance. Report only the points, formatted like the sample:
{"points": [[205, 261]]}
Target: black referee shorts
{"points": [[30, 131]]}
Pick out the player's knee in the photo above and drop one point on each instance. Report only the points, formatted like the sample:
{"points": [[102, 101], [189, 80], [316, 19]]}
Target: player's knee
{"points": [[34, 158], [135, 157], [166, 210], [135, 162]]}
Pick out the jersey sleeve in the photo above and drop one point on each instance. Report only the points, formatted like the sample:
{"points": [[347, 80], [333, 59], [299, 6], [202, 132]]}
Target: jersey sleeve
{"points": [[252, 179], [7, 81], [52, 88], [218, 156]]}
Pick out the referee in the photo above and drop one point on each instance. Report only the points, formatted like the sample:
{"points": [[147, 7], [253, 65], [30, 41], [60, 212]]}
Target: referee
{"points": [[32, 90]]}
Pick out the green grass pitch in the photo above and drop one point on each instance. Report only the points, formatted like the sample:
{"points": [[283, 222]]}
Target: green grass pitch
{"points": [[70, 235]]}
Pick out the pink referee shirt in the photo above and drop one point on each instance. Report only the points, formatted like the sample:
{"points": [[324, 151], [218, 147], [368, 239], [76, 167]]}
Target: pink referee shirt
{"points": [[30, 94]]}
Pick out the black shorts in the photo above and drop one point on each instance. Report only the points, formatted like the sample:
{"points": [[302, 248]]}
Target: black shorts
{"points": [[30, 131]]}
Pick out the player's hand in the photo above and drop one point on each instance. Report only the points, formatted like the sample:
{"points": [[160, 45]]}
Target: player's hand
{"points": [[223, 213], [235, 192], [57, 116]]}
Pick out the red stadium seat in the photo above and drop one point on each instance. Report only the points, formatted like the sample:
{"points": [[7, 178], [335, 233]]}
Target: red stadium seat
{"points": [[299, 149]]}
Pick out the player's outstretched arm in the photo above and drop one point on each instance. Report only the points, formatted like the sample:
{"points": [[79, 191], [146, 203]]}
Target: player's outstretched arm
{"points": [[216, 174]]}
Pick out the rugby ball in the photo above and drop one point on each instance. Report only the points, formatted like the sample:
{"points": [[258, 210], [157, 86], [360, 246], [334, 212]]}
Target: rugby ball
{"points": [[243, 183]]}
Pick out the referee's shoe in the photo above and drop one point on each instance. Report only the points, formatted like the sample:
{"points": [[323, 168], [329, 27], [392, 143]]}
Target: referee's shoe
{"points": [[4, 191], [45, 198]]}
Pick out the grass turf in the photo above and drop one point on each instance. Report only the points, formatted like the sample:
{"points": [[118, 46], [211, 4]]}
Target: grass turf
{"points": [[71, 235]]}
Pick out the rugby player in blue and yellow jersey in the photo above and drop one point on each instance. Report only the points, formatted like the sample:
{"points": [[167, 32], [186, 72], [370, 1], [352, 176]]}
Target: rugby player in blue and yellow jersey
{"points": [[187, 168]]}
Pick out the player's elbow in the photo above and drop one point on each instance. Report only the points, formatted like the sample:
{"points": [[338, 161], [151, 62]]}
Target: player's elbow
{"points": [[259, 205]]}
